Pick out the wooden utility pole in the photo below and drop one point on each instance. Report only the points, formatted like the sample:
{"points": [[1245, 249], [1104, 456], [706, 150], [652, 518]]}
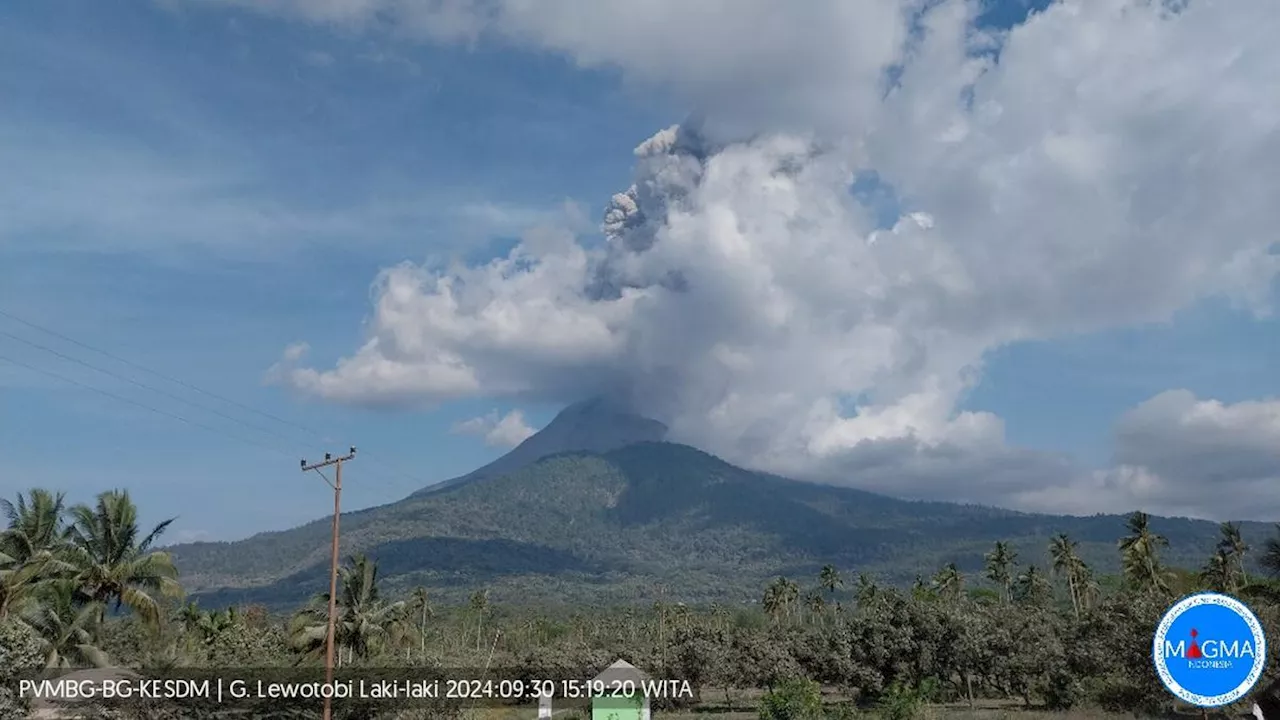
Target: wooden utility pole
{"points": [[336, 484]]}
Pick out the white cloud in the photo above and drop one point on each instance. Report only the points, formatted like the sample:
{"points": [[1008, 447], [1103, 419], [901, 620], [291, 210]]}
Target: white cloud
{"points": [[1112, 167], [1179, 455], [790, 62], [504, 431], [296, 351]]}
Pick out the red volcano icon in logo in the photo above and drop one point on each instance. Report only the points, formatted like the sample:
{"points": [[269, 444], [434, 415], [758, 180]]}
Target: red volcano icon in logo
{"points": [[1193, 652]]}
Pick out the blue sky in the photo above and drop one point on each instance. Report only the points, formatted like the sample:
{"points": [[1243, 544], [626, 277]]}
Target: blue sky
{"points": [[266, 113], [194, 188]]}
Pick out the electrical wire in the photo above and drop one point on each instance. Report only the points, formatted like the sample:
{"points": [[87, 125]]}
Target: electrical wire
{"points": [[416, 483], [144, 386], [144, 406], [161, 375]]}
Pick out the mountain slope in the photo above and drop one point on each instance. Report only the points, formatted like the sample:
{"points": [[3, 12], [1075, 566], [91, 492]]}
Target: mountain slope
{"points": [[592, 425], [596, 425], [610, 526]]}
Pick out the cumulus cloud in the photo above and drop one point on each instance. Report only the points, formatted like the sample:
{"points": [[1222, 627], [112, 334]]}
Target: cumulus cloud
{"points": [[1104, 163], [296, 351], [505, 431], [1180, 455], [768, 63]]}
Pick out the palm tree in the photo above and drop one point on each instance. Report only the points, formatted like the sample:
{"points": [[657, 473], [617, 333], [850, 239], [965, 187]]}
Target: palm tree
{"points": [[36, 525], [771, 603], [780, 597], [1270, 560], [22, 582], [660, 612], [1001, 564], [920, 589], [479, 602], [1032, 587], [363, 621], [190, 615], [192, 620], [949, 582], [214, 623], [1218, 574], [790, 594], [1068, 564], [1087, 587], [815, 603], [1233, 546], [867, 589], [830, 579], [719, 614], [67, 628], [421, 605], [1140, 551], [680, 612], [365, 617], [777, 598], [30, 546], [113, 564]]}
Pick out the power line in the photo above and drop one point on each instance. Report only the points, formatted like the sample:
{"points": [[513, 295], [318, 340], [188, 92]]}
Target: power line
{"points": [[144, 386], [320, 437], [144, 406]]}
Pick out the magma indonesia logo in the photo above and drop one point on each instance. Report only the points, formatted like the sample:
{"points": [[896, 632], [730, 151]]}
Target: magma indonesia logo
{"points": [[1209, 650]]}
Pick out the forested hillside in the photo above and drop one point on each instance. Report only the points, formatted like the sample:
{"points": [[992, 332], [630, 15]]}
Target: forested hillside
{"points": [[614, 526]]}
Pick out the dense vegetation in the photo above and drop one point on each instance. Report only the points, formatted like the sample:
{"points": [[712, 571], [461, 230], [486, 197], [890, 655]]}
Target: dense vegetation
{"points": [[577, 528], [83, 586]]}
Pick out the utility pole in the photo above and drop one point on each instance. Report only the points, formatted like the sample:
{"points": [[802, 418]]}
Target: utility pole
{"points": [[336, 484]]}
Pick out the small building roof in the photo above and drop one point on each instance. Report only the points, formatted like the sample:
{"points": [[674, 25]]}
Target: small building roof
{"points": [[622, 671]]}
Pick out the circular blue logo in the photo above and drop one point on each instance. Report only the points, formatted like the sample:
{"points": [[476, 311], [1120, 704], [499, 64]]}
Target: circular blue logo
{"points": [[1209, 650]]}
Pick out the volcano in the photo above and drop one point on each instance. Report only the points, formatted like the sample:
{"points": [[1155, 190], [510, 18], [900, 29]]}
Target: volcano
{"points": [[597, 425], [598, 507]]}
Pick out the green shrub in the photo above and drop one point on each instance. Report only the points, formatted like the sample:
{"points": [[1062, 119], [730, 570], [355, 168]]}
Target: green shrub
{"points": [[902, 702], [795, 699], [19, 654], [1062, 691]]}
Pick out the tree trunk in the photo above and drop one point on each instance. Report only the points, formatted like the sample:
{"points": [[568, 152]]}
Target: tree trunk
{"points": [[422, 632], [1075, 599]]}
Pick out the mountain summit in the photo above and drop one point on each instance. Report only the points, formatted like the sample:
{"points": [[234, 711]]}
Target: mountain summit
{"points": [[597, 425]]}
